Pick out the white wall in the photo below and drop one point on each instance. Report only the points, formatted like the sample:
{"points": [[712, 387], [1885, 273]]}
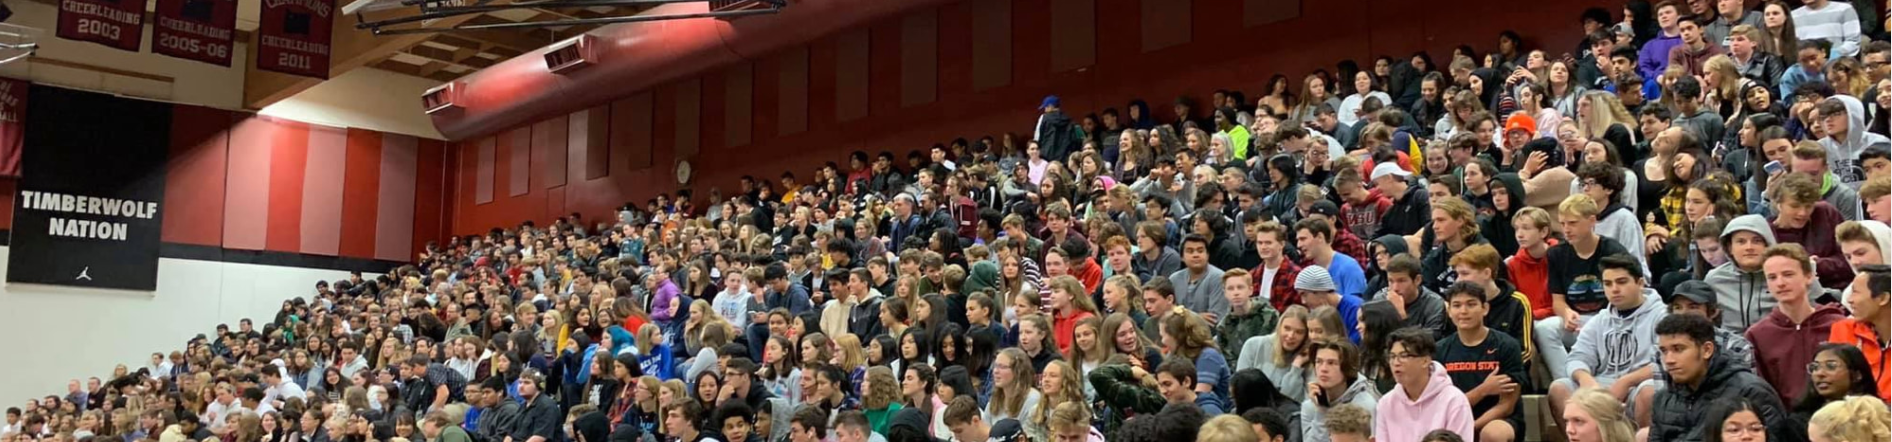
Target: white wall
{"points": [[51, 334], [193, 82], [366, 98]]}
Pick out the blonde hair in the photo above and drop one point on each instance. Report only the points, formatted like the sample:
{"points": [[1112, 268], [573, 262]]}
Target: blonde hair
{"points": [[1578, 205], [1069, 414], [1606, 110], [1611, 422], [1281, 355], [1070, 390], [1227, 428], [1458, 209], [1537, 216], [1723, 69], [1856, 419], [852, 354]]}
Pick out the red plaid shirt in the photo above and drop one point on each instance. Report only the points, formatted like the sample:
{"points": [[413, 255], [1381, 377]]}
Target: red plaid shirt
{"points": [[1345, 242], [1281, 293]]}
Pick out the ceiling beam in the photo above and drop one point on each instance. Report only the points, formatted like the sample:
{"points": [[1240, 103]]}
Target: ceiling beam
{"points": [[350, 48]]}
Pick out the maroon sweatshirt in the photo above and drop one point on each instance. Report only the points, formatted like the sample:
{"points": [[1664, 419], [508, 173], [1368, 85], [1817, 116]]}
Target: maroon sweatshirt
{"points": [[1782, 348], [1817, 238]]}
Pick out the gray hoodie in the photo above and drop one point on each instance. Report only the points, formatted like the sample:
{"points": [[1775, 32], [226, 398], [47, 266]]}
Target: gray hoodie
{"points": [[1314, 417], [1843, 155], [1611, 345], [1742, 294]]}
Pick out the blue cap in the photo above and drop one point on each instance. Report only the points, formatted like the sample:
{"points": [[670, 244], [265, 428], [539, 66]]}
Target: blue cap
{"points": [[1050, 100]]}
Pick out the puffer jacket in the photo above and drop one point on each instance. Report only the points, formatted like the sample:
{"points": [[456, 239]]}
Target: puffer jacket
{"points": [[1680, 409]]}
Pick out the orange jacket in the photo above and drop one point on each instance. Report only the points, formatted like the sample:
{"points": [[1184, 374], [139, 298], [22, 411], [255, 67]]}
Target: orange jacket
{"points": [[1860, 334]]}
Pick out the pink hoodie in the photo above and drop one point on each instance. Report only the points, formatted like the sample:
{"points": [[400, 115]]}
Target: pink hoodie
{"points": [[1441, 406]]}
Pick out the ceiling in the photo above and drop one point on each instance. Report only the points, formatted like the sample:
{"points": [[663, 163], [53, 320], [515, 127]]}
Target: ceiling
{"points": [[448, 55], [442, 56]]}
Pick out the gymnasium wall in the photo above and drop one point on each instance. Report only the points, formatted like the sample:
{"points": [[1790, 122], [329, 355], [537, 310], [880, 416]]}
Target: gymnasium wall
{"points": [[970, 68]]}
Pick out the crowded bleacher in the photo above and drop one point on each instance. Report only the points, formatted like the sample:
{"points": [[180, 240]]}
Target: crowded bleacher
{"points": [[1676, 231]]}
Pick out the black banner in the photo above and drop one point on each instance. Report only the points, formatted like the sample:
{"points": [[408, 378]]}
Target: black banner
{"points": [[87, 212]]}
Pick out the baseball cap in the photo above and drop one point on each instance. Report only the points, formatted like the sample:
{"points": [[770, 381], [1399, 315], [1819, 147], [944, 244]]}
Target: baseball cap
{"points": [[1006, 430], [1050, 100], [1325, 207], [1388, 168], [1695, 291], [1520, 121]]}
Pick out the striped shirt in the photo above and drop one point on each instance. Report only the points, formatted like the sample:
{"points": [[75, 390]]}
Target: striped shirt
{"points": [[1836, 23]]}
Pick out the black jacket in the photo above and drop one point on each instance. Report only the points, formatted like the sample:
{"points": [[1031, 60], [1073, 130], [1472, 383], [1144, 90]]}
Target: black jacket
{"points": [[1408, 214], [1055, 137], [540, 418], [1679, 409]]}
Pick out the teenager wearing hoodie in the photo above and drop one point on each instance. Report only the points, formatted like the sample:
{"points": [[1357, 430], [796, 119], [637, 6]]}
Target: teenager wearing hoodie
{"points": [[1604, 184], [1336, 381], [1425, 399], [1411, 208], [1863, 243], [1846, 136], [1801, 217], [1612, 350], [1574, 278], [1740, 285], [1787, 338]]}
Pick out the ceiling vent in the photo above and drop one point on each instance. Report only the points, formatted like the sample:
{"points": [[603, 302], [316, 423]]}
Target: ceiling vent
{"points": [[572, 55], [442, 99]]}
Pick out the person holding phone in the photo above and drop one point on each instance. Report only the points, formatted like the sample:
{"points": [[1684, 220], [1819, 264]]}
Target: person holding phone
{"points": [[1336, 381]]}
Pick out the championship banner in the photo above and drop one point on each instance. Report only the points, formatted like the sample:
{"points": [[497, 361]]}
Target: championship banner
{"points": [[293, 37], [200, 30], [12, 124], [114, 23], [87, 214]]}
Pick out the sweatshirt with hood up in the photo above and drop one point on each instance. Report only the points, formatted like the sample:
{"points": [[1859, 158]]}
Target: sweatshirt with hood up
{"points": [[1842, 155], [1441, 406], [1742, 293], [1782, 348]]}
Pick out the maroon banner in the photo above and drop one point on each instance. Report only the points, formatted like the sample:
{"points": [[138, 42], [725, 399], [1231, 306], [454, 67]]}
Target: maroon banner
{"points": [[201, 30], [12, 124], [114, 23], [293, 37]]}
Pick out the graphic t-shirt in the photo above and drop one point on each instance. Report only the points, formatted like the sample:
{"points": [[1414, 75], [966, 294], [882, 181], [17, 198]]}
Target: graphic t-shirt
{"points": [[1580, 279], [1470, 365]]}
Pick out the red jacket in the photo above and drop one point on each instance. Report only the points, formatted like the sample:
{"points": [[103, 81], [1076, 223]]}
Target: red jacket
{"points": [[1089, 273], [1532, 276], [1064, 326], [1860, 334]]}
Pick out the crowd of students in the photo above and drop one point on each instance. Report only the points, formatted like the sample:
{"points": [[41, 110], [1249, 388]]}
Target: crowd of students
{"points": [[1677, 232]]}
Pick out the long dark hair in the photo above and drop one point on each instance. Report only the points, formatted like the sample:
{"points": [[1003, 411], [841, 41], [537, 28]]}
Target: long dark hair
{"points": [[979, 355], [1864, 381], [1380, 320], [1252, 389], [960, 346]]}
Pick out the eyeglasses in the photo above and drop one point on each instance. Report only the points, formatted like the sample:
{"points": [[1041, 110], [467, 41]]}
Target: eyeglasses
{"points": [[1814, 367], [1407, 356]]}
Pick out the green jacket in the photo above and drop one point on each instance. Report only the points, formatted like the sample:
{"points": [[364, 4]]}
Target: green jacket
{"points": [[1237, 328], [1122, 396]]}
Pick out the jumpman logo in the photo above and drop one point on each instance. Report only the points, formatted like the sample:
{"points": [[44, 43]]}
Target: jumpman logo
{"points": [[83, 274]]}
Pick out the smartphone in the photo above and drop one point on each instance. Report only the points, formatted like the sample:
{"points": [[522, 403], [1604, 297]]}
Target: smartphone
{"points": [[1773, 167], [1323, 399]]}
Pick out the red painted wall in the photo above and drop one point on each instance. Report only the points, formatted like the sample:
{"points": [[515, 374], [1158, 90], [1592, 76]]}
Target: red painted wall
{"points": [[198, 180], [1219, 53]]}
